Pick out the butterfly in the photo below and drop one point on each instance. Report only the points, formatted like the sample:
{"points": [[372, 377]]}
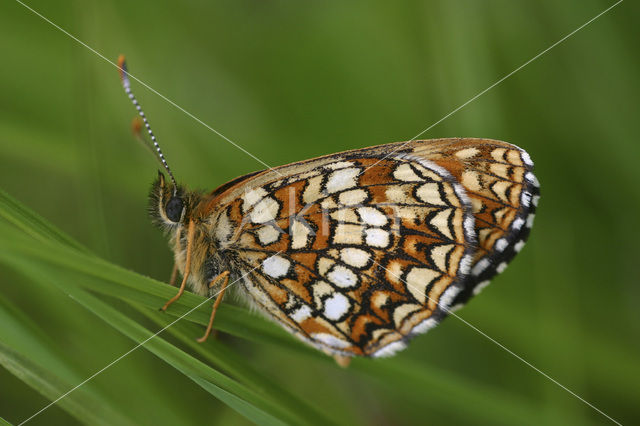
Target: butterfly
{"points": [[357, 252]]}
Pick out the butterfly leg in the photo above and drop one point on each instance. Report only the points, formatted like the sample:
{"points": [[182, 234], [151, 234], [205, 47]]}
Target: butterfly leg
{"points": [[174, 275], [187, 267], [225, 280], [342, 361]]}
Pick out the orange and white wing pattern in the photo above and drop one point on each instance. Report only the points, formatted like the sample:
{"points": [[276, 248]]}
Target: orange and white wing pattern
{"points": [[359, 251], [498, 178]]}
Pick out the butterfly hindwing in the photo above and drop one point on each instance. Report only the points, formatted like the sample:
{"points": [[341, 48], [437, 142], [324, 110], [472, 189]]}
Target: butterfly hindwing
{"points": [[498, 178]]}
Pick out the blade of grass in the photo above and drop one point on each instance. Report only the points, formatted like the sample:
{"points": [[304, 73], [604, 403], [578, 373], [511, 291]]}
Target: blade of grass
{"points": [[31, 223], [283, 398], [84, 405], [235, 395], [20, 333], [31, 352], [219, 354], [227, 390]]}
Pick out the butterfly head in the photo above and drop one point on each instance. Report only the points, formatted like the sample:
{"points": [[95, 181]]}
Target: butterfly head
{"points": [[169, 205]]}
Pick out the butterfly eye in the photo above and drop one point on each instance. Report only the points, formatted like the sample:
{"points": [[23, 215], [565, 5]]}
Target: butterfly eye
{"points": [[174, 209]]}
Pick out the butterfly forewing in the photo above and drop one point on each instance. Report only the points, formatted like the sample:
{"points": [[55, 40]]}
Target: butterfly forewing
{"points": [[357, 252]]}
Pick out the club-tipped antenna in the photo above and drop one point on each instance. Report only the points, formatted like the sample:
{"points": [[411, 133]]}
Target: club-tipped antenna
{"points": [[156, 147]]}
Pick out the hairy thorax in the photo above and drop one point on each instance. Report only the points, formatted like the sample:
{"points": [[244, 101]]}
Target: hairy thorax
{"points": [[211, 238]]}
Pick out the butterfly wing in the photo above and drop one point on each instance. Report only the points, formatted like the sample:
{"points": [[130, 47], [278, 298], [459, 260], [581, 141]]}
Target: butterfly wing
{"points": [[357, 252], [498, 178], [354, 253]]}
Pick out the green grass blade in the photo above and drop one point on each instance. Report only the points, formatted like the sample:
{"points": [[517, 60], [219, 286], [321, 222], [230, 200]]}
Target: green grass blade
{"points": [[219, 354], [31, 223], [214, 382], [237, 396], [82, 404]]}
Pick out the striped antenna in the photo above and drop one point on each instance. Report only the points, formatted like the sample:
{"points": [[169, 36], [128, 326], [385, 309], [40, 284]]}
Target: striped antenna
{"points": [[156, 148]]}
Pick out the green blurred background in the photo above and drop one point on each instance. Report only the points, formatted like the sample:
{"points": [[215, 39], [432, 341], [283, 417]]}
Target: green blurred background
{"points": [[293, 80]]}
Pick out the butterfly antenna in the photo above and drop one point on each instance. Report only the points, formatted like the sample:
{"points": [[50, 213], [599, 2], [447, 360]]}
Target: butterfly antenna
{"points": [[156, 147]]}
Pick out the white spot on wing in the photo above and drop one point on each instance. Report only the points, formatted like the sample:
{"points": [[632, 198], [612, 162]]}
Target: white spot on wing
{"points": [[447, 297], [342, 179], [517, 224], [354, 257], [417, 281], [276, 266], [268, 234], [465, 265], [336, 306], [348, 234], [439, 256], [330, 340], [299, 235], [265, 210], [405, 173], [350, 198], [525, 198], [424, 326], [251, 197], [480, 266], [501, 244], [469, 227], [535, 200], [518, 246], [342, 277], [430, 194], [312, 191], [531, 178], [390, 349], [526, 158], [372, 216], [530, 220], [481, 286], [501, 267], [301, 314], [376, 237], [441, 221]]}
